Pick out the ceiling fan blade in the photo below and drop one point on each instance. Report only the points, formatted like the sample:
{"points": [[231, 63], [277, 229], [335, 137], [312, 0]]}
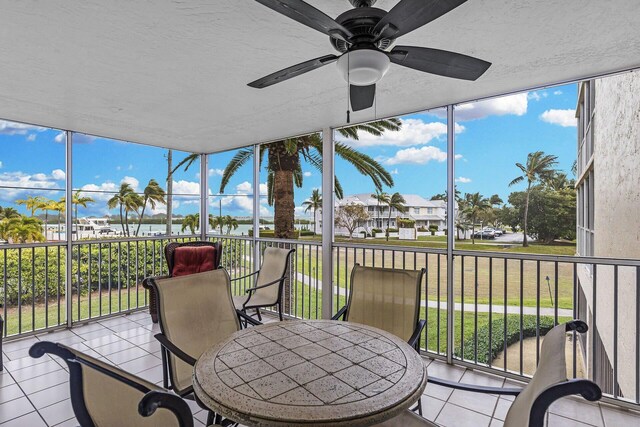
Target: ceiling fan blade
{"points": [[440, 62], [293, 71], [308, 15], [362, 96], [408, 15]]}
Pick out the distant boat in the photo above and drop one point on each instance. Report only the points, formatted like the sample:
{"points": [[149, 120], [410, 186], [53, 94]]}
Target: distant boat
{"points": [[92, 226]]}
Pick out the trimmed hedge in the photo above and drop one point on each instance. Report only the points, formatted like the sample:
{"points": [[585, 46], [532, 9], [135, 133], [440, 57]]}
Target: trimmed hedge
{"points": [[486, 354], [272, 233]]}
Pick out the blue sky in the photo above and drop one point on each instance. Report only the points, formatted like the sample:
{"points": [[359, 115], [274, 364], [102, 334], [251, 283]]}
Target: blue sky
{"points": [[491, 136]]}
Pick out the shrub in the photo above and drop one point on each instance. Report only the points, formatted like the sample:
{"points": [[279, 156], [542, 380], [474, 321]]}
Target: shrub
{"points": [[486, 354], [376, 230], [392, 230], [422, 229], [433, 227], [305, 233], [406, 223], [272, 233]]}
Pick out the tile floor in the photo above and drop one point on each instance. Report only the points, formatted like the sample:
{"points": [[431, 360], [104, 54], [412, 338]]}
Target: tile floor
{"points": [[35, 392]]}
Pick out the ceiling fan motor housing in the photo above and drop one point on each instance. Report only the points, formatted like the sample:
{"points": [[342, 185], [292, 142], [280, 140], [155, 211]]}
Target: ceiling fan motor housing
{"points": [[361, 21]]}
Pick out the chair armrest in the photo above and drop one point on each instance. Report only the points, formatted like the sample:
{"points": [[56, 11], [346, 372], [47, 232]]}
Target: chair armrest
{"points": [[160, 399], [577, 325], [175, 350], [245, 276], [415, 338], [340, 313], [587, 389], [247, 318], [266, 284], [251, 290], [146, 280], [475, 388]]}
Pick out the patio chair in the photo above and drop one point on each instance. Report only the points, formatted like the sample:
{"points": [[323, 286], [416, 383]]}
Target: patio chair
{"points": [[549, 383], [269, 283], [194, 258], [103, 395], [195, 312], [387, 299]]}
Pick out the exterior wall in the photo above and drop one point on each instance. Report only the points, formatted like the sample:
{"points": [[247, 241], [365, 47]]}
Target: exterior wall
{"points": [[615, 177]]}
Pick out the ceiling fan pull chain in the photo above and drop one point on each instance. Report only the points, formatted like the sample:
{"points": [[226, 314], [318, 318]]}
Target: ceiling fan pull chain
{"points": [[348, 91]]}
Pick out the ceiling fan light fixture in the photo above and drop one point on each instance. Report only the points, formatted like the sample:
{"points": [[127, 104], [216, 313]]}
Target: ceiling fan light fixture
{"points": [[363, 67]]}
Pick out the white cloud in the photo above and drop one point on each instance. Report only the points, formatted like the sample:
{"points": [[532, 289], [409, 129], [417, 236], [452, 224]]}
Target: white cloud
{"points": [[100, 193], [133, 182], [118, 168], [307, 174], [14, 184], [418, 156], [412, 132], [537, 96], [0, 165], [58, 174], [557, 92], [506, 105], [216, 172], [564, 118], [463, 180], [458, 157], [32, 137], [60, 137], [394, 172], [186, 187], [244, 188], [130, 167], [11, 128]]}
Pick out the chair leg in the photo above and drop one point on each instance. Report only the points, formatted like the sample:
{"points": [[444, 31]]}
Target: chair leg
{"points": [[210, 418], [259, 315], [280, 311]]}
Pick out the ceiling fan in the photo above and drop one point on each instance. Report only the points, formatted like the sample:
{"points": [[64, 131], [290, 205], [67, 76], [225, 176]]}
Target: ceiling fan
{"points": [[362, 35]]}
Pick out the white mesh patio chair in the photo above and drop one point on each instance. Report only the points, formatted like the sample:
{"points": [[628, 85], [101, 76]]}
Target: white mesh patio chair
{"points": [[549, 383], [104, 396], [268, 286]]}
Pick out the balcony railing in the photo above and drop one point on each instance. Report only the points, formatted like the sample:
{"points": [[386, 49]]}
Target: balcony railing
{"points": [[503, 304]]}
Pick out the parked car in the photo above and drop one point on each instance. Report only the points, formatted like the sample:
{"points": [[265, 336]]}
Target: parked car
{"points": [[484, 234]]}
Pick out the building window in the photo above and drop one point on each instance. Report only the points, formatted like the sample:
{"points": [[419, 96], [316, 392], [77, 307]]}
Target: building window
{"points": [[416, 211], [429, 210]]}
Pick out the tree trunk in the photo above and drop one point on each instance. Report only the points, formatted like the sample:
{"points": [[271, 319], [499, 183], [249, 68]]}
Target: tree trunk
{"points": [[284, 205], [121, 220], [141, 216], [169, 192], [388, 224], [526, 216], [473, 232], [282, 165], [314, 221]]}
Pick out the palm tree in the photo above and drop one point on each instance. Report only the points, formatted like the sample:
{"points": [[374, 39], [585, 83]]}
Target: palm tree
{"points": [[539, 167], [215, 222], [285, 172], [380, 197], [131, 203], [475, 204], [77, 199], [32, 203], [231, 223], [559, 181], [21, 229], [58, 206], [46, 205], [396, 201], [119, 200], [153, 194], [314, 202], [8, 213], [192, 222], [187, 161]]}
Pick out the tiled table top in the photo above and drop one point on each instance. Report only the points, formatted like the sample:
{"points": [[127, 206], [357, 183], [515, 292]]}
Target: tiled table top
{"points": [[316, 371]]}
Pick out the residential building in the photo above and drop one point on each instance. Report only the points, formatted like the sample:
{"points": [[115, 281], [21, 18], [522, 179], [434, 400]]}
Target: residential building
{"points": [[608, 114], [424, 212]]}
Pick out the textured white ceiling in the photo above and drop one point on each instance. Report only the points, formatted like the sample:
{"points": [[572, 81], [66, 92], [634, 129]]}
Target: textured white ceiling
{"points": [[174, 73]]}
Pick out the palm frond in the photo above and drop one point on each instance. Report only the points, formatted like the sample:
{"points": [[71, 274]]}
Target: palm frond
{"points": [[187, 161], [238, 160]]}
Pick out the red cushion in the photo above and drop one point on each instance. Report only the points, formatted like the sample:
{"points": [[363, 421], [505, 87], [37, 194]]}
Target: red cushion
{"points": [[193, 259]]}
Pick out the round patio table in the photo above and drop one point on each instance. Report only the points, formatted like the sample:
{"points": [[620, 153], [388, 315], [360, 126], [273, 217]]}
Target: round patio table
{"points": [[310, 373]]}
